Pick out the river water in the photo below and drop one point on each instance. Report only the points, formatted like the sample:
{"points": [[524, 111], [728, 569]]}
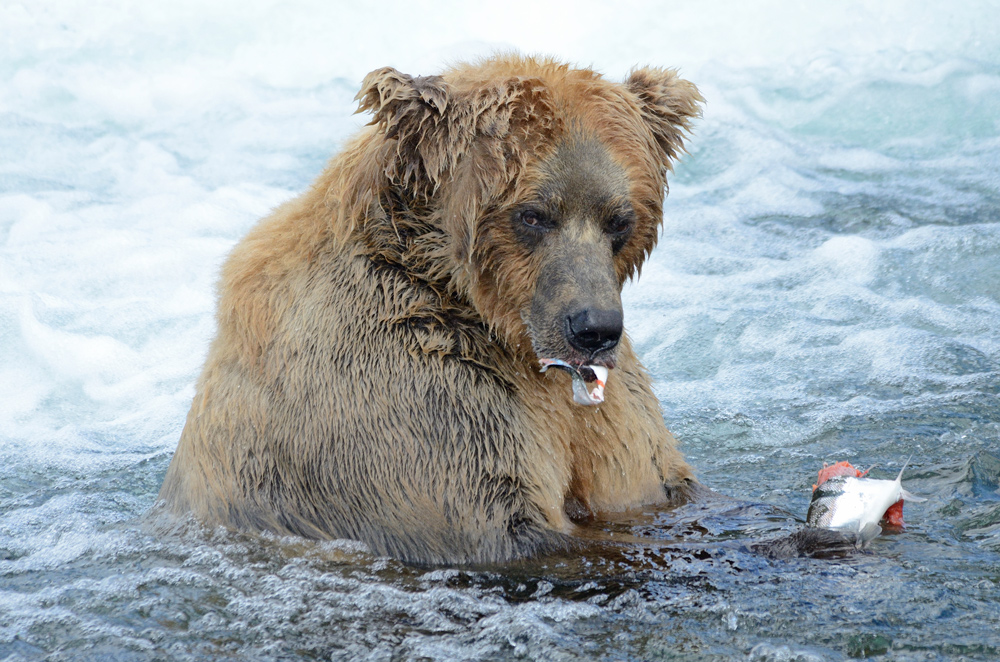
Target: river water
{"points": [[827, 287]]}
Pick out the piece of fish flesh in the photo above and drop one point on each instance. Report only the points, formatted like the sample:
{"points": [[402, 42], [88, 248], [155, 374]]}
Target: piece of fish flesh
{"points": [[581, 394], [856, 504]]}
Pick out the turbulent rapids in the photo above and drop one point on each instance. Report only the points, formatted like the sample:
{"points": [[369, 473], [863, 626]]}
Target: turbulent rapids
{"points": [[825, 286]]}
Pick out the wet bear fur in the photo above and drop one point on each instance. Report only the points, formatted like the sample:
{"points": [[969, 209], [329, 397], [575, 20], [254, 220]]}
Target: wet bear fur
{"points": [[375, 372]]}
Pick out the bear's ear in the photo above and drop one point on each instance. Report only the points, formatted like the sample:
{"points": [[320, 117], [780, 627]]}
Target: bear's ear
{"points": [[389, 93], [668, 104], [410, 111]]}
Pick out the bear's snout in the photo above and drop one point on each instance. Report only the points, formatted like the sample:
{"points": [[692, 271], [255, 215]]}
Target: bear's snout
{"points": [[593, 330]]}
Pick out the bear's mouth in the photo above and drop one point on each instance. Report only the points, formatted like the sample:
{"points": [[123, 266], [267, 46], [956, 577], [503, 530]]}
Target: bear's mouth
{"points": [[582, 375]]}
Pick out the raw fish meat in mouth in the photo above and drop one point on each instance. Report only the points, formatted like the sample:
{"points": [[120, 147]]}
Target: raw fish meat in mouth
{"points": [[581, 375]]}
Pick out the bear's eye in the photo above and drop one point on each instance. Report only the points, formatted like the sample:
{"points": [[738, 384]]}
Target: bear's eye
{"points": [[619, 224], [619, 228], [533, 219], [531, 224]]}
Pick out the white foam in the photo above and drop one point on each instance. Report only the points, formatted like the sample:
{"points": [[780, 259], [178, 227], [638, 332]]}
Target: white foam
{"points": [[849, 258]]}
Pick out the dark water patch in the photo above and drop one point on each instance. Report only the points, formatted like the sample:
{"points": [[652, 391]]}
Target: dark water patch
{"points": [[888, 205], [977, 478], [910, 426], [974, 498]]}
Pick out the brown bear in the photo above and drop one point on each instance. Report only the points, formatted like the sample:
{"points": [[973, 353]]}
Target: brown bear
{"points": [[376, 370]]}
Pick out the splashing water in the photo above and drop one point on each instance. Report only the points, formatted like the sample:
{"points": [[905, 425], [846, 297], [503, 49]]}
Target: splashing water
{"points": [[826, 287]]}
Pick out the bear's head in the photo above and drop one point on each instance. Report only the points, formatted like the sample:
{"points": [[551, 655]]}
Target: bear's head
{"points": [[530, 190]]}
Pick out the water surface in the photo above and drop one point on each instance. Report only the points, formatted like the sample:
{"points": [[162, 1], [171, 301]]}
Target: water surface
{"points": [[826, 287]]}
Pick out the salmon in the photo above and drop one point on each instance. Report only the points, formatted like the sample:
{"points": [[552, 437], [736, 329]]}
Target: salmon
{"points": [[845, 500]]}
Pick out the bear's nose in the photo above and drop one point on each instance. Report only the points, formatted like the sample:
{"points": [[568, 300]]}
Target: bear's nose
{"points": [[593, 331]]}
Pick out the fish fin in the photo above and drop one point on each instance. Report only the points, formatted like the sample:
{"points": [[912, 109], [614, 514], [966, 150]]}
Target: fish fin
{"points": [[912, 497], [869, 532], [899, 478]]}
